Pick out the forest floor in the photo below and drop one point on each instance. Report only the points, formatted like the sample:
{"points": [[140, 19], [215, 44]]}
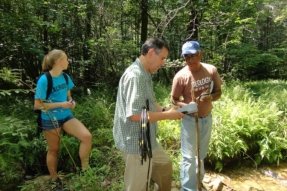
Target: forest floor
{"points": [[268, 178]]}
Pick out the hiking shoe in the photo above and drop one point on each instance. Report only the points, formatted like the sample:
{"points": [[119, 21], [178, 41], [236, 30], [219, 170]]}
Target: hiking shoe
{"points": [[56, 185]]}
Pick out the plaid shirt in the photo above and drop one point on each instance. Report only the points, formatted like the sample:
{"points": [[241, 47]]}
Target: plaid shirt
{"points": [[135, 87]]}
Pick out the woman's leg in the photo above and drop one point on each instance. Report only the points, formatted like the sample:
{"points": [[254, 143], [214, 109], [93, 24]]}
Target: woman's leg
{"points": [[75, 128], [53, 140]]}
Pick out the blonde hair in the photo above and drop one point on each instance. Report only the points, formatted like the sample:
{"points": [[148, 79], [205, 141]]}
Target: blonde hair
{"points": [[51, 58]]}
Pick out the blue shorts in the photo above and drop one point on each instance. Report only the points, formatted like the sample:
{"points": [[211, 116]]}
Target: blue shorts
{"points": [[53, 124]]}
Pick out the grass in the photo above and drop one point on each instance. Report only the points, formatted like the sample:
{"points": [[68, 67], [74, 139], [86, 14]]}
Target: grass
{"points": [[249, 123]]}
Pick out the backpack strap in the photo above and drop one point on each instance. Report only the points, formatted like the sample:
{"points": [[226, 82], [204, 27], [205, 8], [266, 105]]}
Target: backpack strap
{"points": [[66, 78], [50, 83]]}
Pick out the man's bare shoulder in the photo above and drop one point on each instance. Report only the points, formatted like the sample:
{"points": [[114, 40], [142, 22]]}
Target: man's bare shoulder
{"points": [[183, 73]]}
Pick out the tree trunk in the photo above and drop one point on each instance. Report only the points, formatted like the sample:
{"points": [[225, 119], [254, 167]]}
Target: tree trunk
{"points": [[193, 24], [195, 18], [88, 30], [45, 29], [144, 20]]}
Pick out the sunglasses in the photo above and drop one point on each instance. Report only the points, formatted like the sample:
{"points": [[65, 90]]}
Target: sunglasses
{"points": [[190, 56]]}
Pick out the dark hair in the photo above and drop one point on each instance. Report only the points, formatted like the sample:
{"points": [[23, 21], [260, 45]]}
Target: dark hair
{"points": [[156, 43]]}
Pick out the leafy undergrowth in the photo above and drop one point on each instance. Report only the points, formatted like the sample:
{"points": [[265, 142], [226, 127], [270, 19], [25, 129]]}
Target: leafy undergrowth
{"points": [[248, 125]]}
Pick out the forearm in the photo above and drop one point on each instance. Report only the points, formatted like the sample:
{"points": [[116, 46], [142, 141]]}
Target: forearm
{"points": [[39, 105], [158, 116], [154, 116], [48, 106], [216, 95]]}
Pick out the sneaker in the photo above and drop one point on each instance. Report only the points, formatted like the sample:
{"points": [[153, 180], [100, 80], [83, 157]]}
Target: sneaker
{"points": [[56, 185]]}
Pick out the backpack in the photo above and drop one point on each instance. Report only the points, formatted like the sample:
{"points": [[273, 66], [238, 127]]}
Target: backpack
{"points": [[48, 93]]}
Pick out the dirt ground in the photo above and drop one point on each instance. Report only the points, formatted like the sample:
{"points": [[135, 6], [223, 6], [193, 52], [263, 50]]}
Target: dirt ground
{"points": [[271, 178]]}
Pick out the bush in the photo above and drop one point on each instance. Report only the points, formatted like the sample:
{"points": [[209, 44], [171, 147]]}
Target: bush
{"points": [[247, 126], [95, 111], [20, 152], [249, 123]]}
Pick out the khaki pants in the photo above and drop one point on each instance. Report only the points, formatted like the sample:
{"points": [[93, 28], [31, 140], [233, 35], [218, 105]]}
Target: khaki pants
{"points": [[136, 174]]}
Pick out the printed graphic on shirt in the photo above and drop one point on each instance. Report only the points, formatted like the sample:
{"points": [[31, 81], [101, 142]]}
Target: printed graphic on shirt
{"points": [[202, 84], [59, 87]]}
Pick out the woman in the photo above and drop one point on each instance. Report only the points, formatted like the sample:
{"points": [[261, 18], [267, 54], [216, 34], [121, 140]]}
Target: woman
{"points": [[56, 111]]}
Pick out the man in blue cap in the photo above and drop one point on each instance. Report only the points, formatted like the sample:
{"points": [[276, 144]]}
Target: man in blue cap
{"points": [[195, 82]]}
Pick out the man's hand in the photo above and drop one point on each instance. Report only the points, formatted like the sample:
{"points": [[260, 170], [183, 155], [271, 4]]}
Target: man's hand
{"points": [[204, 97], [174, 113]]}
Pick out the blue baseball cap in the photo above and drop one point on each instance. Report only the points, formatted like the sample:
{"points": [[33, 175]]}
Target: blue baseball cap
{"points": [[190, 47]]}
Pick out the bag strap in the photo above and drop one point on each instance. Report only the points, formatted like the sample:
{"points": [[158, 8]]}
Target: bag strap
{"points": [[50, 83], [148, 132], [144, 134], [66, 77]]}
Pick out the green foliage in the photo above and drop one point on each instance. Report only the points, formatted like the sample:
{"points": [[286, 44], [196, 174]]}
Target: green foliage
{"points": [[103, 37], [169, 137], [162, 92], [11, 83], [10, 75], [84, 181], [18, 151], [95, 179], [247, 127], [107, 165], [255, 64], [244, 39], [271, 90], [249, 123], [12, 173], [95, 111], [19, 106]]}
